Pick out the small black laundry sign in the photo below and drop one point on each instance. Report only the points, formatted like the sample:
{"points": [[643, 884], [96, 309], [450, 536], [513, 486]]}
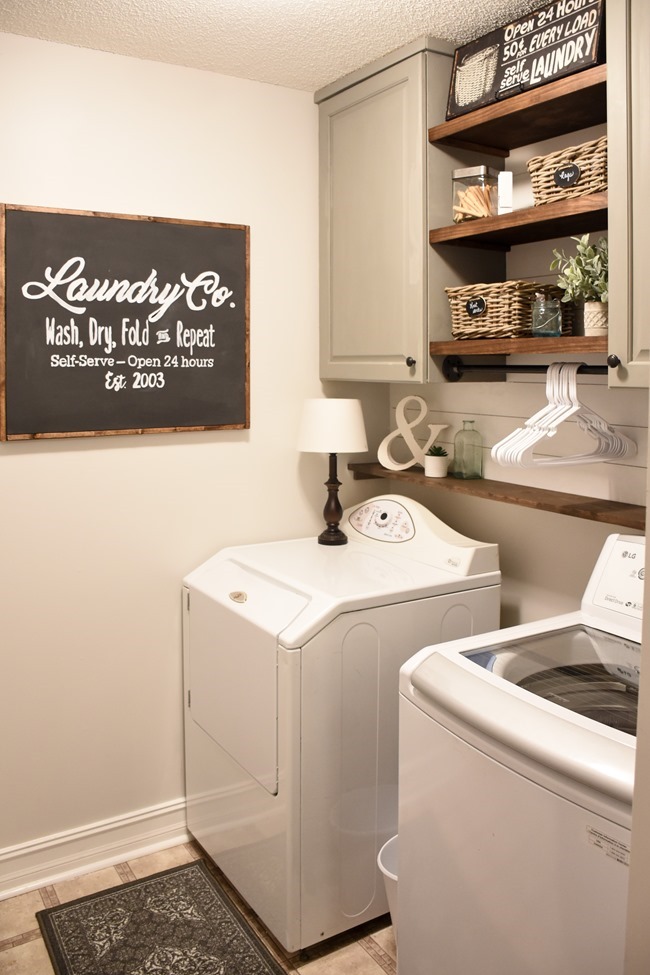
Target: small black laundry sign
{"points": [[556, 40]]}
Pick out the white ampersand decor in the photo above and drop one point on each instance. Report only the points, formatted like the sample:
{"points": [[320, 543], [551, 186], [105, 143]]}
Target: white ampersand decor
{"points": [[404, 430]]}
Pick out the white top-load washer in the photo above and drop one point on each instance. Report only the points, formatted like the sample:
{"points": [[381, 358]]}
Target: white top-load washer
{"points": [[517, 754], [292, 653]]}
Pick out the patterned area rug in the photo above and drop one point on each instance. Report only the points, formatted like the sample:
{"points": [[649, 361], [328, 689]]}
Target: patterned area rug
{"points": [[178, 922]]}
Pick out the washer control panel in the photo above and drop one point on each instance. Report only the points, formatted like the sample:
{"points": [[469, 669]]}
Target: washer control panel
{"points": [[385, 520], [617, 579]]}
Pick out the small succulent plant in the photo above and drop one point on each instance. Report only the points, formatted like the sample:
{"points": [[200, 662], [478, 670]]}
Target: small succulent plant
{"points": [[435, 450]]}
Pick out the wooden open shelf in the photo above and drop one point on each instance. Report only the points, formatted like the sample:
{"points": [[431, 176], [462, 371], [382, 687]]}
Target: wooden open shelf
{"points": [[566, 105], [569, 345], [628, 516], [561, 218], [560, 107]]}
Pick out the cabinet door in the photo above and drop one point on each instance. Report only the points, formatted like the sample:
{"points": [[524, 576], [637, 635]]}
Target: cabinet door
{"points": [[373, 245], [628, 108]]}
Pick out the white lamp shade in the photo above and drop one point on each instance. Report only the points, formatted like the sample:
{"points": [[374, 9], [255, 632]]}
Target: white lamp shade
{"points": [[332, 426]]}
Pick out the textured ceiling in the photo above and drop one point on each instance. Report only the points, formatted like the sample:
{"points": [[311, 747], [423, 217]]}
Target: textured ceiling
{"points": [[295, 43]]}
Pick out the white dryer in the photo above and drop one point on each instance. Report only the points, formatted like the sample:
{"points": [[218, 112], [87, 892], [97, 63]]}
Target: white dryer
{"points": [[292, 653], [517, 754]]}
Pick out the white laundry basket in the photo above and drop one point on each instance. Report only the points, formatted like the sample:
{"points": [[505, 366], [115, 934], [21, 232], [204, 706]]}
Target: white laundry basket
{"points": [[387, 861]]}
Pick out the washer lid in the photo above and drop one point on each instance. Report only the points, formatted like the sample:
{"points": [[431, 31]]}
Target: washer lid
{"points": [[588, 671], [454, 691]]}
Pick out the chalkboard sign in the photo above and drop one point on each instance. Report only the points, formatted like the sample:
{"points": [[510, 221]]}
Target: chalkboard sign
{"points": [[121, 324], [546, 44]]}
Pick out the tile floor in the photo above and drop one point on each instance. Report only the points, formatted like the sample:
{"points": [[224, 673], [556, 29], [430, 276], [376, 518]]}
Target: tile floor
{"points": [[368, 950]]}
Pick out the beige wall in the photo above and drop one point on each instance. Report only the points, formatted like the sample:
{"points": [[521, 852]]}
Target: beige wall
{"points": [[98, 533]]}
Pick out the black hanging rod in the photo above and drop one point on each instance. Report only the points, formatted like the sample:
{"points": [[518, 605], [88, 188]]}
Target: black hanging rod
{"points": [[453, 368]]}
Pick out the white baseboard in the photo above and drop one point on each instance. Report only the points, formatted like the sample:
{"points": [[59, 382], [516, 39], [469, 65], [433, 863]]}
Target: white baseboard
{"points": [[50, 859]]}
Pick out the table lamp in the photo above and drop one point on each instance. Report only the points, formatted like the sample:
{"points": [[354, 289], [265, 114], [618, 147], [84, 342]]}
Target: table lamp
{"points": [[332, 426]]}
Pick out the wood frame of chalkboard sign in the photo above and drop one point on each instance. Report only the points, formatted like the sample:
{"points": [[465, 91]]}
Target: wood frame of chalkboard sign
{"points": [[121, 324], [559, 39]]}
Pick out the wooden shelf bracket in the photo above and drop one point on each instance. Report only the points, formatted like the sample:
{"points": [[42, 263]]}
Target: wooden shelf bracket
{"points": [[454, 368]]}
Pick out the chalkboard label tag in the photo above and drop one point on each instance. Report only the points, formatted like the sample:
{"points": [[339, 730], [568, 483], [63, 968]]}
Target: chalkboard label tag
{"points": [[567, 175], [476, 307]]}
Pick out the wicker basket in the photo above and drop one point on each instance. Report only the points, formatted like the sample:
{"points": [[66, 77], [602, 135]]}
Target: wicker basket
{"points": [[475, 76], [502, 310], [584, 168]]}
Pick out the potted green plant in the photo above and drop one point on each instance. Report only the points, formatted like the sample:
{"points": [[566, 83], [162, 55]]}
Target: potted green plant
{"points": [[436, 460], [584, 277]]}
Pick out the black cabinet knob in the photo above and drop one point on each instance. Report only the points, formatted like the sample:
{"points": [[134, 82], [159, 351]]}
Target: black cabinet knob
{"points": [[410, 361], [613, 361]]}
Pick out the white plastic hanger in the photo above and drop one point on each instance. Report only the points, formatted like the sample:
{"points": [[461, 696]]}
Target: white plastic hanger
{"points": [[535, 429], [517, 449]]}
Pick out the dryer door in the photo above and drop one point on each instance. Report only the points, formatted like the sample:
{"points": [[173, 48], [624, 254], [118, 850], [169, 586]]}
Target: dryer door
{"points": [[234, 618]]}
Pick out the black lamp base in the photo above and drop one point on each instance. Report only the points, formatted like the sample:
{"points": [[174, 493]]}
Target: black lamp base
{"points": [[332, 512], [332, 536]]}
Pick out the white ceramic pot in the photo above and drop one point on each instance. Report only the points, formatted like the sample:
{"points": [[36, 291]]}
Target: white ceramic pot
{"points": [[435, 466], [596, 318]]}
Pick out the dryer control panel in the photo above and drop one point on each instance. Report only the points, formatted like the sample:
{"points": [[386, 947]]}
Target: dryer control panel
{"points": [[418, 534], [383, 519]]}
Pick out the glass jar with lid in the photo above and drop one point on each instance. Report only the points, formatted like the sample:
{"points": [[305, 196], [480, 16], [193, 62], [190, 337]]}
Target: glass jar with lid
{"points": [[547, 315], [475, 192]]}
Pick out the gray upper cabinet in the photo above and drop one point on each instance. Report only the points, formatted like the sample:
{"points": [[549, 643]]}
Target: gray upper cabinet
{"points": [[379, 190], [373, 226], [628, 110]]}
